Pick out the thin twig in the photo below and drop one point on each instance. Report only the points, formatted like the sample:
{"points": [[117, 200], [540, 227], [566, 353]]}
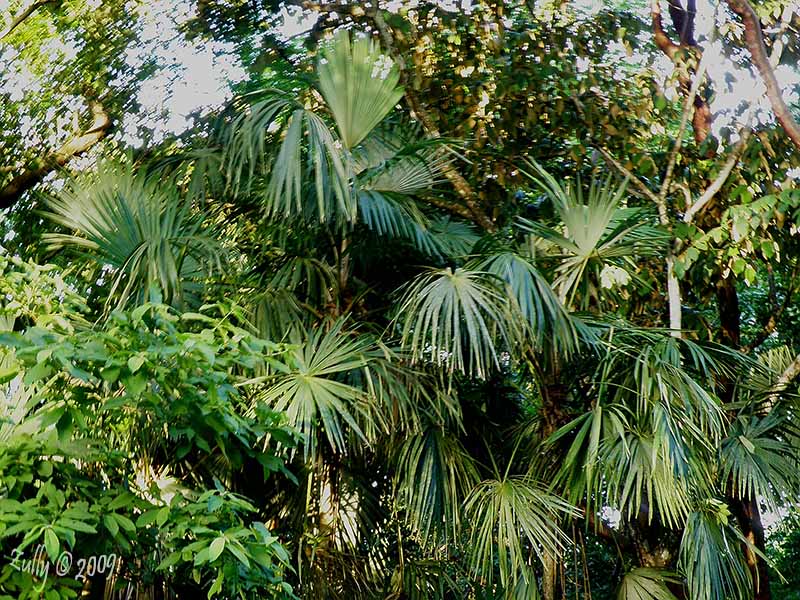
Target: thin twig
{"points": [[687, 109], [721, 178], [23, 15]]}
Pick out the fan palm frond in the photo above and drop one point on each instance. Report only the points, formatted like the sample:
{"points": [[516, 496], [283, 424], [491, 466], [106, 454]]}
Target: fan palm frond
{"points": [[275, 137], [453, 238], [758, 459], [310, 279], [642, 369], [147, 234], [312, 394], [405, 398], [600, 241], [653, 430], [647, 584], [434, 474], [399, 217], [359, 84], [544, 314], [458, 319], [423, 579], [396, 163], [197, 171], [641, 470], [510, 518], [711, 555], [275, 313]]}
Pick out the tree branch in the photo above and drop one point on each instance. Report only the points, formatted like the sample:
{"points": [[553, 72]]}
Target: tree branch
{"points": [[720, 180], [754, 40], [451, 207], [683, 21], [459, 183], [662, 40], [788, 376], [673, 156], [26, 12], [76, 145], [625, 172]]}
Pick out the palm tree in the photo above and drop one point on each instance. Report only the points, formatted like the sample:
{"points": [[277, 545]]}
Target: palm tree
{"points": [[459, 415], [597, 241], [332, 158]]}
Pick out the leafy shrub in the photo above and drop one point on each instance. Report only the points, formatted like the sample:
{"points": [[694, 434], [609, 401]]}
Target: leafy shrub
{"points": [[122, 438]]}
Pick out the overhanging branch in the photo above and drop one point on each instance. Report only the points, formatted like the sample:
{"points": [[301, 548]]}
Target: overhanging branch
{"points": [[754, 40], [720, 180], [76, 145], [24, 14]]}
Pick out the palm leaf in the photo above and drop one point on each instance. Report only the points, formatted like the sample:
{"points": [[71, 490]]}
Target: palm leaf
{"points": [[757, 459], [433, 476], [711, 556], [541, 310], [147, 234], [423, 579], [458, 319], [599, 244], [359, 85], [399, 217], [312, 394], [394, 163], [292, 146], [275, 313], [310, 279], [646, 584], [505, 516], [198, 171], [453, 238]]}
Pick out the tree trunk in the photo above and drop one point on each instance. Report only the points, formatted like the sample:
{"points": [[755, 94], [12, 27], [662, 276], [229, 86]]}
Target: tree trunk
{"points": [[747, 513], [749, 517], [549, 571], [74, 146], [729, 313]]}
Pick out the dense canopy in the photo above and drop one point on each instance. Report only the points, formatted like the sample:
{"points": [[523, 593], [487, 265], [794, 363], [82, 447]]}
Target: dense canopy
{"points": [[436, 300]]}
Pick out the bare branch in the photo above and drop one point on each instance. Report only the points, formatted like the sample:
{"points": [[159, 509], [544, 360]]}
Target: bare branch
{"points": [[721, 178], [687, 109], [625, 172], [26, 12], [76, 145], [754, 40]]}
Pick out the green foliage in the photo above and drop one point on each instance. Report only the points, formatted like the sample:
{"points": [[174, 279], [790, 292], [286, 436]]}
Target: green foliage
{"points": [[142, 231], [434, 474], [162, 391], [646, 584], [456, 319], [600, 241], [711, 555], [359, 84], [417, 297], [782, 550], [505, 511]]}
